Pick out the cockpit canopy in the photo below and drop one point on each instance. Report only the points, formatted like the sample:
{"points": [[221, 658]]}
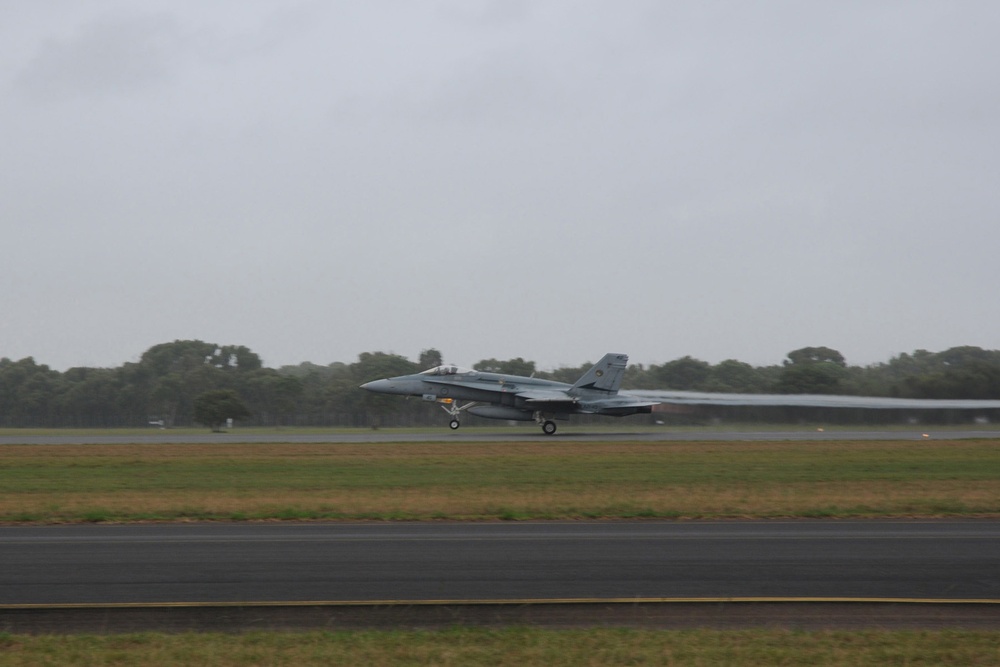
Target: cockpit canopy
{"points": [[447, 369]]}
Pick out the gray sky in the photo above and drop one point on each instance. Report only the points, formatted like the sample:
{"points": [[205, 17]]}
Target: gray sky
{"points": [[550, 180]]}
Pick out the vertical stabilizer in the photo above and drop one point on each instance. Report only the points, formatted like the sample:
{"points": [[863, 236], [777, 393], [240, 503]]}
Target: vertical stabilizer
{"points": [[606, 375]]}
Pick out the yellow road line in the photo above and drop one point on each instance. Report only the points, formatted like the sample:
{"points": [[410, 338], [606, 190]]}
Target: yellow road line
{"points": [[503, 602]]}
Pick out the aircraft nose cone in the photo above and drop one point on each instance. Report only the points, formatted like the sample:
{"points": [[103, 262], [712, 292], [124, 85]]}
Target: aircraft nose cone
{"points": [[376, 385]]}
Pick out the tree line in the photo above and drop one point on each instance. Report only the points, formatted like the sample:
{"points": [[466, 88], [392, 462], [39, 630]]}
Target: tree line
{"points": [[164, 386]]}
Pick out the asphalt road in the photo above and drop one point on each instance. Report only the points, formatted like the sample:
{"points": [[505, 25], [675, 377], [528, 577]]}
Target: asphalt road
{"points": [[498, 561], [513, 434]]}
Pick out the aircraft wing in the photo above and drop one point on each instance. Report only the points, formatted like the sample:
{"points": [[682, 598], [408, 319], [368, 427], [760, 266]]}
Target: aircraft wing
{"points": [[543, 398], [814, 400]]}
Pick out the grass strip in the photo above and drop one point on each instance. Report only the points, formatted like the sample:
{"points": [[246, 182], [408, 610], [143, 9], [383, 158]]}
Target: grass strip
{"points": [[471, 647], [507, 481]]}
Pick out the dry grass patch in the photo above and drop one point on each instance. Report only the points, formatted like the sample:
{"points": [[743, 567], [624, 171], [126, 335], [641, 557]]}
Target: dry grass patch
{"points": [[470, 647]]}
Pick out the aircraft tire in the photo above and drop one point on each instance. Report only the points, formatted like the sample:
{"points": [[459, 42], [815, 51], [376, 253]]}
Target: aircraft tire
{"points": [[549, 427], [454, 424]]}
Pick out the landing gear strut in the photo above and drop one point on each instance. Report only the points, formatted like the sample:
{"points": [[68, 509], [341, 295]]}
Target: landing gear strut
{"points": [[454, 410]]}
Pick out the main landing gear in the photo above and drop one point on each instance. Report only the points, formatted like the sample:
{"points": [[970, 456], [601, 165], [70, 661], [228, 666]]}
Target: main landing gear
{"points": [[548, 426]]}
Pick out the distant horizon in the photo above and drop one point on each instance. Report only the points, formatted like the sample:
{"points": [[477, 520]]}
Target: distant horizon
{"points": [[414, 358]]}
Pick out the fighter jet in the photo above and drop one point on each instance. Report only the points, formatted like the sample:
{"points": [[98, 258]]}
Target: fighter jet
{"points": [[514, 397]]}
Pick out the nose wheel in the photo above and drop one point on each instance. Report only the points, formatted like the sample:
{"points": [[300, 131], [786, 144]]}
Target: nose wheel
{"points": [[454, 410]]}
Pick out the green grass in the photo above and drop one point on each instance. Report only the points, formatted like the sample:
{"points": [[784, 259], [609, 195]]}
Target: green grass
{"points": [[185, 430], [513, 646], [506, 481], [249, 467]]}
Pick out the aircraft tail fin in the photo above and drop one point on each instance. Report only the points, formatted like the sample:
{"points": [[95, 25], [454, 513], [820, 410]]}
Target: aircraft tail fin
{"points": [[606, 375]]}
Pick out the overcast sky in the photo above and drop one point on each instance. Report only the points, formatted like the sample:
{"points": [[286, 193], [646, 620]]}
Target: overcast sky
{"points": [[543, 179]]}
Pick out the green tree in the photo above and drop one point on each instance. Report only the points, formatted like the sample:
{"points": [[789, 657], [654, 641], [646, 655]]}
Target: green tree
{"points": [[817, 378], [734, 376], [93, 397], [379, 365], [516, 366], [686, 373], [213, 408], [236, 358], [430, 359], [273, 397], [28, 392], [178, 356], [959, 372], [812, 370], [808, 355], [171, 375]]}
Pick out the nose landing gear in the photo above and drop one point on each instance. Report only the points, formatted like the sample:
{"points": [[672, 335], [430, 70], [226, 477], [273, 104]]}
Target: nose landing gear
{"points": [[454, 410]]}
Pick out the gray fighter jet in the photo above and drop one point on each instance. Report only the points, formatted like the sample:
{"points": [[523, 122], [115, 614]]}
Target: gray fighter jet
{"points": [[513, 397], [519, 398]]}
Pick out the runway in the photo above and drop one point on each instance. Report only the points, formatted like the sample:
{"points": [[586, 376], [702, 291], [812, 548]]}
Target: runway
{"points": [[498, 561], [509, 434], [232, 577]]}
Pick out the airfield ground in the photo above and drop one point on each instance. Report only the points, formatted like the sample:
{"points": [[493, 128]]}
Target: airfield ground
{"points": [[539, 479], [470, 647], [536, 479]]}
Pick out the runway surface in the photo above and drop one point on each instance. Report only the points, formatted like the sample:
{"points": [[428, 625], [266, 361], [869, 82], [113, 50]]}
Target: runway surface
{"points": [[498, 561], [513, 434]]}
